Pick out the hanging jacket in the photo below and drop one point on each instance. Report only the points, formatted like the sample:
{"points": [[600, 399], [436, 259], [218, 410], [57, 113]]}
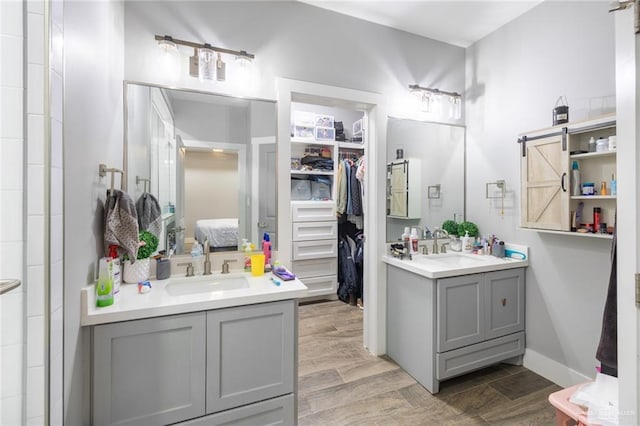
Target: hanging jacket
{"points": [[348, 273]]}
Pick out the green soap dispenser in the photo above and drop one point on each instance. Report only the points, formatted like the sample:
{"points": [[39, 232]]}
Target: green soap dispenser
{"points": [[104, 286]]}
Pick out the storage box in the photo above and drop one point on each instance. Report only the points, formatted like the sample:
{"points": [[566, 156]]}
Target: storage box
{"points": [[320, 191], [303, 119], [300, 189], [357, 128], [325, 133], [303, 132], [322, 120]]}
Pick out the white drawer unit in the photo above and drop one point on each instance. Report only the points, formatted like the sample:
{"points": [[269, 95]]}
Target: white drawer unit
{"points": [[321, 285], [306, 231], [314, 267], [303, 250], [313, 211]]}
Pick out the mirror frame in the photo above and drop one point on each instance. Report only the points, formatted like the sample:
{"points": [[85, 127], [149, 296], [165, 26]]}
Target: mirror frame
{"points": [[125, 125]]}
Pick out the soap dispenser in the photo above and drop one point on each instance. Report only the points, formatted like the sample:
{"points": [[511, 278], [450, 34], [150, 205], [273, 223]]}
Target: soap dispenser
{"points": [[467, 243]]}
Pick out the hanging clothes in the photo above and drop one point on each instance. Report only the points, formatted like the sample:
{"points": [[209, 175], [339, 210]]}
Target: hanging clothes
{"points": [[607, 352], [341, 202]]}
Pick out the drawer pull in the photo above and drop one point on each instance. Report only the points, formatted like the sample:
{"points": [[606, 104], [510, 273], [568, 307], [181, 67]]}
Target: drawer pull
{"points": [[504, 302]]}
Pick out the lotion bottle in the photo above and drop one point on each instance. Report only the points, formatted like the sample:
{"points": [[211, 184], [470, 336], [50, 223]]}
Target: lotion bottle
{"points": [[414, 241], [405, 240], [266, 249], [576, 180], [467, 243]]}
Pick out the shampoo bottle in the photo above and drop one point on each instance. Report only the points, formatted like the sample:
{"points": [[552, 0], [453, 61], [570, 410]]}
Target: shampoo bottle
{"points": [[467, 243], [266, 249], [576, 180]]}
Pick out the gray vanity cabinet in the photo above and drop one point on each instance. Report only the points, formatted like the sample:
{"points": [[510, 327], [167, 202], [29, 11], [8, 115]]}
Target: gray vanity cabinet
{"points": [[233, 366], [250, 354], [438, 329], [149, 372]]}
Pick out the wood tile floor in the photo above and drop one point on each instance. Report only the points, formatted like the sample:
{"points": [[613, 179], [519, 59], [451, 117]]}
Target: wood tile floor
{"points": [[340, 383]]}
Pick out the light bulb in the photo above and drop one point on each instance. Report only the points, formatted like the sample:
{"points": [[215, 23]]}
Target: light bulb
{"points": [[206, 63]]}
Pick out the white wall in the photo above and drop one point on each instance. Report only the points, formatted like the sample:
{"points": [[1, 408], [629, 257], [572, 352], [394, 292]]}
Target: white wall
{"points": [[211, 122], [291, 40], [514, 77], [138, 137], [93, 134]]}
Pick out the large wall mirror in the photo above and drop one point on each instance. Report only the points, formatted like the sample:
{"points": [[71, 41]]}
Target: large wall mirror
{"points": [[433, 155], [208, 159]]}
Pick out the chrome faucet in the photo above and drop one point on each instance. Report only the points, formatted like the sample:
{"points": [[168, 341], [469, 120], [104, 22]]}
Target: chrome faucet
{"points": [[207, 260], [189, 266], [435, 233]]}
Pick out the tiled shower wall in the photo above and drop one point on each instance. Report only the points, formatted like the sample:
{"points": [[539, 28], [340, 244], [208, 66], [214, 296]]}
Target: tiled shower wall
{"points": [[12, 339], [31, 193]]}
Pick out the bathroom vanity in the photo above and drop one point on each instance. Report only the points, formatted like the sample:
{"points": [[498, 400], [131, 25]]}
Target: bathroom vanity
{"points": [[449, 314], [208, 350]]}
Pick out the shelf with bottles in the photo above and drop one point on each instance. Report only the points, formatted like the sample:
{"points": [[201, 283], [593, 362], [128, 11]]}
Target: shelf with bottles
{"points": [[587, 155], [593, 197]]}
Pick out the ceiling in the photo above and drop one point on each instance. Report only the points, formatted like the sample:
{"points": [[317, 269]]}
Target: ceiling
{"points": [[456, 22]]}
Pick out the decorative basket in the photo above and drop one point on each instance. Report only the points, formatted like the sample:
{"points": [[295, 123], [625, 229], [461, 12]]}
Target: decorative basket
{"points": [[136, 272]]}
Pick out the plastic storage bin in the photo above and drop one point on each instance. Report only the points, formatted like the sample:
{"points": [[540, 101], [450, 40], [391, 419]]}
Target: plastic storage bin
{"points": [[320, 190], [567, 413], [300, 189]]}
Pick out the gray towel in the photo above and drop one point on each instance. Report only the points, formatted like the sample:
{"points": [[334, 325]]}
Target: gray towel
{"points": [[149, 214], [121, 223]]}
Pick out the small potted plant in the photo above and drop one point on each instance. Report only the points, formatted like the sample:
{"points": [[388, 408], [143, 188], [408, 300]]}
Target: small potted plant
{"points": [[140, 269]]}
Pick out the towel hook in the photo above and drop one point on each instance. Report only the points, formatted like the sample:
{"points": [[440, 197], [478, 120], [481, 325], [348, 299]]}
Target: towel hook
{"points": [[103, 170], [144, 181]]}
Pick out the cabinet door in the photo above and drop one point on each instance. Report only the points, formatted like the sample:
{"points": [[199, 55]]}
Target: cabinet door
{"points": [[149, 372], [398, 189], [505, 301], [276, 411], [545, 184], [250, 354], [460, 311]]}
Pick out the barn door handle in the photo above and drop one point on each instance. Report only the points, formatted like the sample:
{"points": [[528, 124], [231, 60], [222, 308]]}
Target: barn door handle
{"points": [[564, 175], [504, 302]]}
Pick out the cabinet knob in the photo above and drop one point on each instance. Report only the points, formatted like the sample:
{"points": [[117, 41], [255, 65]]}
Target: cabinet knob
{"points": [[504, 302]]}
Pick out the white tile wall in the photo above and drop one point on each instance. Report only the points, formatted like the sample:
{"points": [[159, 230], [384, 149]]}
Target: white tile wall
{"points": [[35, 89], [35, 146], [35, 341], [35, 293], [12, 312], [35, 189], [35, 392]]}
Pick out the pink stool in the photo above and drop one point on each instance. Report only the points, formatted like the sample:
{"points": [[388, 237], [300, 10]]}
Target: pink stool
{"points": [[567, 413]]}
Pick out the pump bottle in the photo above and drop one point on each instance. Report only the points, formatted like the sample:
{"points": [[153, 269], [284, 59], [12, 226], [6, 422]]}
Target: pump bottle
{"points": [[575, 180]]}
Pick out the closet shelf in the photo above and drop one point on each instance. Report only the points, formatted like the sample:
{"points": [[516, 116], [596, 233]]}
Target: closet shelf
{"points": [[593, 197], [569, 233], [312, 172], [312, 142], [350, 145], [593, 154]]}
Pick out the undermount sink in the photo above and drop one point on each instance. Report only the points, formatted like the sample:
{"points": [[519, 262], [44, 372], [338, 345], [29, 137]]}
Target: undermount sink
{"points": [[210, 284], [455, 259]]}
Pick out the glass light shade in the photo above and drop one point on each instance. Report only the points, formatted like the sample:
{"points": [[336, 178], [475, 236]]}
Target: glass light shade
{"points": [[221, 69], [168, 59], [455, 110], [243, 61], [206, 64]]}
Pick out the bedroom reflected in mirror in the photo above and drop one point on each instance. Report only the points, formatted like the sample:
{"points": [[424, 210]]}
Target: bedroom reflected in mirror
{"points": [[209, 160]]}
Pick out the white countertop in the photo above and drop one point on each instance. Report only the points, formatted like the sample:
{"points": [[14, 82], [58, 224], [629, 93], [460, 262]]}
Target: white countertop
{"points": [[130, 305], [455, 263]]}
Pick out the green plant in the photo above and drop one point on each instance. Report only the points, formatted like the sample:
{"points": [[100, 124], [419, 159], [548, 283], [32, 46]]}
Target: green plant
{"points": [[469, 227], [150, 244], [450, 226]]}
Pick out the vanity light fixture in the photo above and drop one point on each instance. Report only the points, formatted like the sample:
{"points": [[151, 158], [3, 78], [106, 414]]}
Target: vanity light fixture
{"points": [[432, 100], [202, 64], [218, 150]]}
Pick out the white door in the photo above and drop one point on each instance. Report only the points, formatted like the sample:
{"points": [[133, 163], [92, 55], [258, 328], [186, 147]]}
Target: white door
{"points": [[267, 192], [628, 165]]}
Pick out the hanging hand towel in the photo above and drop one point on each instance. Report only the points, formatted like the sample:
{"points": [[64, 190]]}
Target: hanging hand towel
{"points": [[121, 223], [149, 214]]}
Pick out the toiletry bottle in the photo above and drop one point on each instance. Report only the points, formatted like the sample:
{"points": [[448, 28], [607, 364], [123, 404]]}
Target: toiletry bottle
{"points": [[592, 144], [597, 218], [613, 187], [467, 243], [266, 249], [405, 240], [104, 286], [113, 254], [576, 180], [414, 240]]}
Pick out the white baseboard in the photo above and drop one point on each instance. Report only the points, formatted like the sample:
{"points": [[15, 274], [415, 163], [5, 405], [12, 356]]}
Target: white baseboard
{"points": [[552, 370]]}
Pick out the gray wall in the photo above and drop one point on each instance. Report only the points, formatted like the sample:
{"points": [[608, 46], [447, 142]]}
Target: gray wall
{"points": [[514, 77], [93, 109], [210, 122]]}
